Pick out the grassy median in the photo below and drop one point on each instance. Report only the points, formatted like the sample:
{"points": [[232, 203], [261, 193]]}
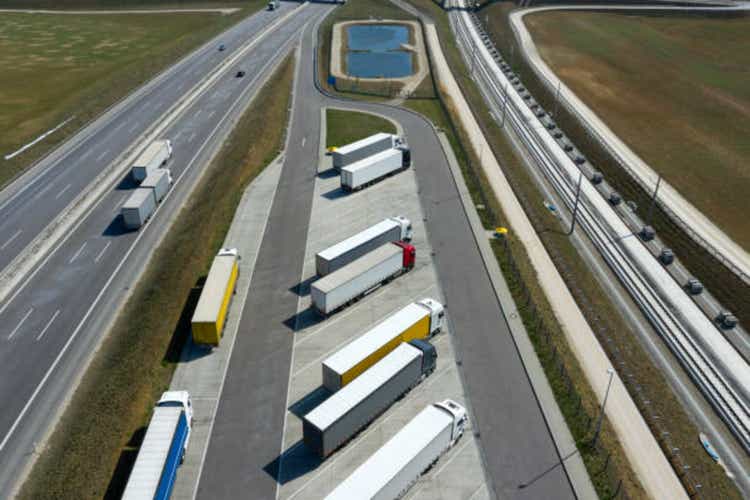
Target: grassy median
{"points": [[343, 127], [58, 66], [92, 450]]}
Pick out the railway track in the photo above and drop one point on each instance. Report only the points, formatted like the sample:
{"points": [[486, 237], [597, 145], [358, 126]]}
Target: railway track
{"points": [[716, 368]]}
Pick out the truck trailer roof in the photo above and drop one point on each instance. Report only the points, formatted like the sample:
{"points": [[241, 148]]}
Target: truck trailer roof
{"points": [[214, 289], [136, 199], [148, 467], [359, 238], [353, 146], [360, 388], [366, 162], [352, 353], [148, 154], [382, 466], [357, 267]]}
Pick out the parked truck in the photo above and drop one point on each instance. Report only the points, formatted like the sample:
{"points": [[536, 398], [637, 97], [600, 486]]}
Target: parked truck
{"points": [[163, 448], [355, 151], [418, 320], [138, 208], [396, 466], [396, 228], [369, 170], [154, 156], [341, 416], [160, 180], [359, 277], [211, 312], [273, 4]]}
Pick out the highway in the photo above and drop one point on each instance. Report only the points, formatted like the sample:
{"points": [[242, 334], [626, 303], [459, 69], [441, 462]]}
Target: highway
{"points": [[246, 435], [54, 320], [28, 205], [712, 363]]}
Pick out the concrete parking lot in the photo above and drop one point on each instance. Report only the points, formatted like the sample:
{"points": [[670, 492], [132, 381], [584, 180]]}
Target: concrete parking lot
{"points": [[336, 215]]}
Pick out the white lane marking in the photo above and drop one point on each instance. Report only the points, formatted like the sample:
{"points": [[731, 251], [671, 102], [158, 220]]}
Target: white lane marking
{"points": [[117, 128], [62, 191], [197, 113], [10, 240], [40, 138], [49, 323], [304, 139], [192, 136], [211, 114], [133, 127], [43, 191], [75, 333], [85, 155], [26, 316], [75, 256], [102, 155], [102, 251]]}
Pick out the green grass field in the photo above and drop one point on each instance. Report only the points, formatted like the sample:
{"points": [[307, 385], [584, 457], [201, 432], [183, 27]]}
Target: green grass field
{"points": [[94, 446], [676, 90], [343, 127], [54, 66]]}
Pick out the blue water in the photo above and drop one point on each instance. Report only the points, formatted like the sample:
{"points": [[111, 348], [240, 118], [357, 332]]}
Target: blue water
{"points": [[375, 51]]}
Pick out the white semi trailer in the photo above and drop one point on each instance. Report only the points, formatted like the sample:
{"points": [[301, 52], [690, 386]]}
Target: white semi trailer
{"points": [[396, 228], [355, 151], [154, 156], [138, 208], [369, 170], [391, 470], [160, 180]]}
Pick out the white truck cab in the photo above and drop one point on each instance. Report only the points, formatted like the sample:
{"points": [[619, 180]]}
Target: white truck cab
{"points": [[179, 399], [437, 314], [406, 229], [460, 419]]}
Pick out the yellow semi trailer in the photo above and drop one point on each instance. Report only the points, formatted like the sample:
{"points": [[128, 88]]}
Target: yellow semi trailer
{"points": [[211, 311], [418, 320]]}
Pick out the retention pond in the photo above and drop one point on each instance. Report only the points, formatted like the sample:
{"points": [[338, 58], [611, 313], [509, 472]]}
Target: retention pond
{"points": [[376, 51]]}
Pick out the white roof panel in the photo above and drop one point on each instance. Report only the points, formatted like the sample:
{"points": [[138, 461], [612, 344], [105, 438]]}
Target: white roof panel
{"points": [[370, 477], [148, 153], [146, 474], [136, 199], [356, 267], [338, 405], [358, 349], [358, 239], [366, 162], [353, 146], [212, 295]]}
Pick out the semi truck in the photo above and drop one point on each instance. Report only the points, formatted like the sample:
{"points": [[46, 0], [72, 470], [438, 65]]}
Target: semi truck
{"points": [[163, 448], [154, 156], [138, 208], [369, 170], [361, 276], [396, 228], [341, 416], [355, 151], [160, 180], [397, 465], [211, 312], [418, 320]]}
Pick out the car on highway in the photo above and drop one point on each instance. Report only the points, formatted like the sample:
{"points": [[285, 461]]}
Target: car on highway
{"points": [[222, 47], [240, 73]]}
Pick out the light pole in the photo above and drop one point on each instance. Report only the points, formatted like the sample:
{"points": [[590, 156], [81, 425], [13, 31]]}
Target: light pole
{"points": [[604, 403], [653, 201], [575, 205]]}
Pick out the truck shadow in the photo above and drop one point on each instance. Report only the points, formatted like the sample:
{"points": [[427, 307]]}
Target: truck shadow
{"points": [[125, 463], [335, 194], [181, 347], [294, 462], [328, 174], [309, 402], [116, 227], [303, 319], [126, 183], [302, 288]]}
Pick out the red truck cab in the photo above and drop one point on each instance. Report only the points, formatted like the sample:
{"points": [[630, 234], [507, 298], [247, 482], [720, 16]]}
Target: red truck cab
{"points": [[410, 254]]}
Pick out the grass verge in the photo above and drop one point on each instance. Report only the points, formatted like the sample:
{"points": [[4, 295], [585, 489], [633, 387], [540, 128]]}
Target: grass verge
{"points": [[676, 115], [58, 66], [343, 127], [92, 450], [723, 284], [645, 382]]}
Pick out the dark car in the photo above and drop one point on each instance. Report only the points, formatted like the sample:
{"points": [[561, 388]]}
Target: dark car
{"points": [[240, 74], [222, 47]]}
